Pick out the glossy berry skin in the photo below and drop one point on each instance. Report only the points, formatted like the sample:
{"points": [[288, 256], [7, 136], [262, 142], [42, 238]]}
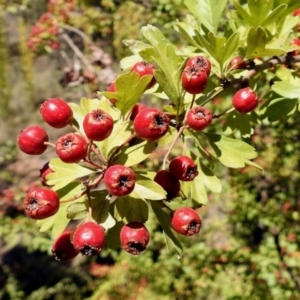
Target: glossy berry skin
{"points": [[295, 41], [194, 79], [98, 125], [198, 118], [119, 180], [186, 221], [112, 89], [183, 168], [238, 63], [89, 238], [151, 124], [134, 237], [71, 148], [41, 203], [201, 62], [169, 183], [136, 109], [245, 100], [56, 112], [62, 248], [44, 171], [31, 140], [144, 68]]}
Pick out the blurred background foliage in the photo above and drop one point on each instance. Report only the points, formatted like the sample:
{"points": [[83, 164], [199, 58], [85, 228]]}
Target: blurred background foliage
{"points": [[249, 244]]}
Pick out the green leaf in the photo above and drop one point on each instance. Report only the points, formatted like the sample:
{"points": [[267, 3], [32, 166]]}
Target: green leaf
{"points": [[232, 153], [208, 178], [60, 221], [168, 138], [100, 212], [130, 87], [135, 154], [198, 191], [148, 189], [208, 12], [112, 240], [132, 209], [170, 65], [278, 13], [136, 46], [64, 173], [280, 108], [77, 211], [165, 221], [286, 89], [259, 9]]}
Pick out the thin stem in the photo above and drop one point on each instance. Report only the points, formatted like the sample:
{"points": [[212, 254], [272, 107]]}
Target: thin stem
{"points": [[76, 30], [224, 113], [167, 207], [74, 198], [49, 144], [90, 205]]}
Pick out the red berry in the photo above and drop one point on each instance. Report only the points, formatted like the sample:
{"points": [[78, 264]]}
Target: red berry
{"points": [[119, 180], [296, 12], [44, 171], [71, 148], [194, 79], [186, 221], [134, 237], [169, 183], [151, 124], [295, 41], [112, 89], [98, 125], [201, 62], [63, 248], [198, 118], [89, 238], [183, 168], [56, 112], [32, 140], [245, 100], [238, 63], [41, 203], [144, 68], [136, 109]]}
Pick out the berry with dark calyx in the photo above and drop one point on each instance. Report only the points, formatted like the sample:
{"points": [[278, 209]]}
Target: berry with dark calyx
{"points": [[295, 41], [44, 171], [41, 203], [71, 148], [198, 118], [245, 100], [134, 237], [151, 124], [194, 79], [144, 68], [183, 168], [62, 248], [32, 140], [186, 221], [169, 183], [238, 63], [200, 61], [89, 238], [112, 89], [56, 112], [136, 109], [98, 125], [119, 180]]}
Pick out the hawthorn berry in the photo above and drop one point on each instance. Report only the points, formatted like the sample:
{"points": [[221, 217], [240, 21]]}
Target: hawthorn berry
{"points": [[136, 109], [198, 118], [151, 124], [32, 140], [56, 112], [62, 248], [201, 62], [98, 125], [183, 168], [194, 79], [112, 89], [134, 237], [245, 100], [169, 183], [71, 148], [295, 41], [144, 68], [89, 238], [119, 180], [238, 63], [41, 203], [186, 221], [44, 171]]}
